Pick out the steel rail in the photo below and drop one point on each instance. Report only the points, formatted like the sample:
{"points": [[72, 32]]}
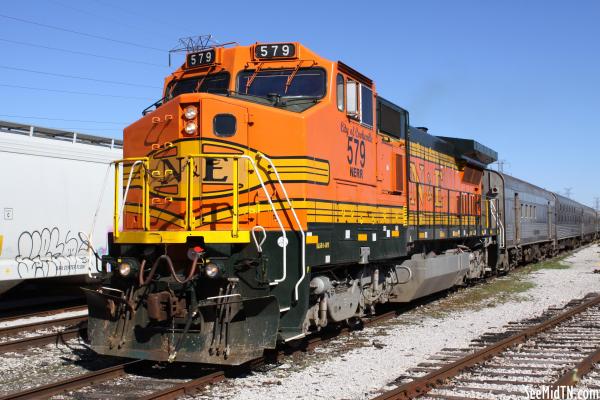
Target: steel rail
{"points": [[572, 376], [77, 382], [41, 340], [43, 313], [34, 326], [422, 385], [187, 388]]}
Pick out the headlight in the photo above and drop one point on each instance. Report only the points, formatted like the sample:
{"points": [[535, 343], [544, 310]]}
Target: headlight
{"points": [[124, 269], [190, 112], [190, 128], [211, 270]]}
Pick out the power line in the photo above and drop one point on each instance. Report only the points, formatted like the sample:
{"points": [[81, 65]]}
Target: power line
{"points": [[76, 77], [74, 92], [129, 11], [58, 28], [104, 17], [64, 120], [83, 53]]}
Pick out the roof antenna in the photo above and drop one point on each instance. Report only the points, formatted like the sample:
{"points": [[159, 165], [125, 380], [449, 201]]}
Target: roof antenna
{"points": [[192, 44]]}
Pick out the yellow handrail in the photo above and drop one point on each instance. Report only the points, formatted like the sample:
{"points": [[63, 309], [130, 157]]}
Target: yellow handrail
{"points": [[189, 198], [146, 193], [189, 210]]}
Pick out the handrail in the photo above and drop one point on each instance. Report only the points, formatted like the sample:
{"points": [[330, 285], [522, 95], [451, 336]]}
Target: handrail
{"points": [[189, 198], [118, 210], [189, 214], [131, 173], [236, 205], [303, 260]]}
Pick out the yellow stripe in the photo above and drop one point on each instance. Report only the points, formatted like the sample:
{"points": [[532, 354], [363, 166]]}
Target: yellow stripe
{"points": [[317, 211], [428, 154], [290, 169]]}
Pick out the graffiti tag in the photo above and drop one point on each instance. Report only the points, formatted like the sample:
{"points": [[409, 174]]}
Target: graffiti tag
{"points": [[49, 253]]}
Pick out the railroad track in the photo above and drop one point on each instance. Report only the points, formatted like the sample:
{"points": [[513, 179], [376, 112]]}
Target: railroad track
{"points": [[22, 308], [60, 336], [42, 313], [64, 328], [554, 351], [173, 390], [72, 387]]}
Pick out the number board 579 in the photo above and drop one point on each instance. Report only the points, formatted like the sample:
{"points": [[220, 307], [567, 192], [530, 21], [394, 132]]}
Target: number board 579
{"points": [[200, 58], [275, 50]]}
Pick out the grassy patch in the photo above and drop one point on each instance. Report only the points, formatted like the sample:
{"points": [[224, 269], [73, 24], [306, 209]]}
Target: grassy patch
{"points": [[490, 294], [550, 264], [502, 289], [494, 292]]}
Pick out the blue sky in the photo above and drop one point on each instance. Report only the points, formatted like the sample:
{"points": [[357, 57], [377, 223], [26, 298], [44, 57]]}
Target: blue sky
{"points": [[522, 77]]}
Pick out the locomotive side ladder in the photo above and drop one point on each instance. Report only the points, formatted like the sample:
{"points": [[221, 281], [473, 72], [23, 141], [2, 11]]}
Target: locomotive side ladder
{"points": [[498, 220]]}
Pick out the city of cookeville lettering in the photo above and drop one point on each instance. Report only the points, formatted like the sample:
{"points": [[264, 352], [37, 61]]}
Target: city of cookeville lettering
{"points": [[356, 149]]}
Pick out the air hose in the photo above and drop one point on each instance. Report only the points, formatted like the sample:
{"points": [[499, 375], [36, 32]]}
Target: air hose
{"points": [[144, 282]]}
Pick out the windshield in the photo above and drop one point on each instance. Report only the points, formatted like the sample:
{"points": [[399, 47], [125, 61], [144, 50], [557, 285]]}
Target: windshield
{"points": [[306, 82], [216, 83]]}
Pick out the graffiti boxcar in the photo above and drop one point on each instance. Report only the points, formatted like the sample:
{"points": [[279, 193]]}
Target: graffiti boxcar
{"points": [[53, 198]]}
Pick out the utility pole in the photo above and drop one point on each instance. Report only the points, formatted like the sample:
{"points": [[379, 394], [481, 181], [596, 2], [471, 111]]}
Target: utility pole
{"points": [[501, 164], [568, 191]]}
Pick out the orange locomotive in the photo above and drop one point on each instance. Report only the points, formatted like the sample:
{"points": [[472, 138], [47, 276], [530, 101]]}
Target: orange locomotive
{"points": [[270, 193]]}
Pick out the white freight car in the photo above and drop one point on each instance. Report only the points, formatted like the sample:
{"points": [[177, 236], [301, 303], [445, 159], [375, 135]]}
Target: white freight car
{"points": [[52, 183]]}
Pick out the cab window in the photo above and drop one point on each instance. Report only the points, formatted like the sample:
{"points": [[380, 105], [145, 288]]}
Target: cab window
{"points": [[287, 83], [340, 92], [213, 83], [366, 105]]}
